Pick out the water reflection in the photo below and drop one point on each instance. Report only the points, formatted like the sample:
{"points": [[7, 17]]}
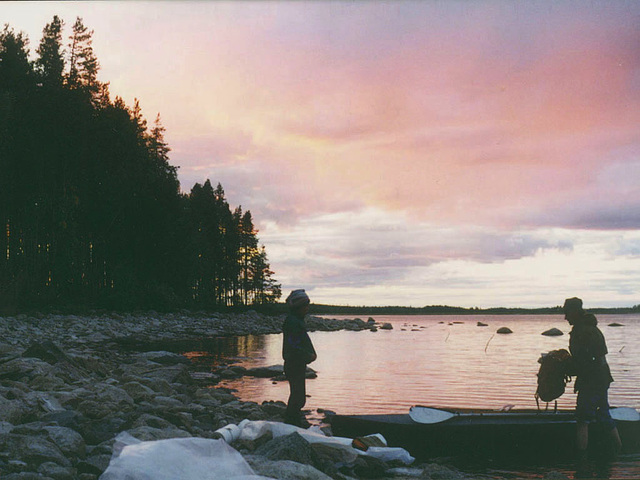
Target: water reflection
{"points": [[448, 362], [216, 351]]}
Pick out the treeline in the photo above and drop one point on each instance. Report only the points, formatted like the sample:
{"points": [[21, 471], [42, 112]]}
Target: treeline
{"points": [[90, 207], [447, 310]]}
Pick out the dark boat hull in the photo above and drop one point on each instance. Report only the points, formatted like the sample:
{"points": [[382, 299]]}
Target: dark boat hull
{"points": [[532, 434]]}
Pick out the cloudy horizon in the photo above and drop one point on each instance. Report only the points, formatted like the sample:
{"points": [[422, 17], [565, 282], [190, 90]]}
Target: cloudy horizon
{"points": [[476, 154]]}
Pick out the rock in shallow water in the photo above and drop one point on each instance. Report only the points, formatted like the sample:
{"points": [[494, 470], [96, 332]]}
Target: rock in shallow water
{"points": [[553, 332]]}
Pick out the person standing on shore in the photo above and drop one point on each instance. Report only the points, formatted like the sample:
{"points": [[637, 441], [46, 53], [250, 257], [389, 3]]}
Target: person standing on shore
{"points": [[589, 364], [297, 352]]}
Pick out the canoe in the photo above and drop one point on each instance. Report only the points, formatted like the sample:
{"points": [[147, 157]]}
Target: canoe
{"points": [[524, 434]]}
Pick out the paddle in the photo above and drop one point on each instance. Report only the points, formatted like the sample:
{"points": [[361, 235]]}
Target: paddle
{"points": [[421, 414], [429, 415], [625, 413]]}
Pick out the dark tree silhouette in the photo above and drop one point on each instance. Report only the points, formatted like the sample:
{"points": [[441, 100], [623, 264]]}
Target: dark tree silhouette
{"points": [[50, 63], [83, 64], [91, 210]]}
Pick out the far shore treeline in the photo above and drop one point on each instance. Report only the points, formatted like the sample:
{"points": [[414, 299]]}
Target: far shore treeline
{"points": [[447, 310], [91, 210]]}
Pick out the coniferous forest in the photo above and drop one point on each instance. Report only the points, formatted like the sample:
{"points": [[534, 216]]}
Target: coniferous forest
{"points": [[91, 209]]}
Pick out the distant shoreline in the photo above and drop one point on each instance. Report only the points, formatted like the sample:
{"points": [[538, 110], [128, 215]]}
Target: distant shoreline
{"points": [[447, 310], [276, 309]]}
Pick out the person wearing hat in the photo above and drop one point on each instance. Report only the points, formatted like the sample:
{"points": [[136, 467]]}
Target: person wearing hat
{"points": [[589, 364], [297, 352]]}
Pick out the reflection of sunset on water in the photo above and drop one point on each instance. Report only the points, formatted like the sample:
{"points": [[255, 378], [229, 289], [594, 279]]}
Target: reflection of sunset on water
{"points": [[429, 360], [195, 355], [223, 350]]}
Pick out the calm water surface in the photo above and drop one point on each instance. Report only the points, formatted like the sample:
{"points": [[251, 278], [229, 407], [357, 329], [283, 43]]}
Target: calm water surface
{"points": [[446, 361]]}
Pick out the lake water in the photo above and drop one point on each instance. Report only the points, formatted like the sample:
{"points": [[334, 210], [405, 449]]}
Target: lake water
{"points": [[445, 361]]}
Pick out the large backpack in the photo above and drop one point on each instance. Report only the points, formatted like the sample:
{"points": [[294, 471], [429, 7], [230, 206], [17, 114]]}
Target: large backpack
{"points": [[552, 375]]}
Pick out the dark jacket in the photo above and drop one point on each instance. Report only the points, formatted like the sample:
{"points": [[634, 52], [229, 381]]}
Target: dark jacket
{"points": [[589, 349], [297, 346]]}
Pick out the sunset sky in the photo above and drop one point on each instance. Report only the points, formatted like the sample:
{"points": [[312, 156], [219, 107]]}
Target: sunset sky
{"points": [[471, 153]]}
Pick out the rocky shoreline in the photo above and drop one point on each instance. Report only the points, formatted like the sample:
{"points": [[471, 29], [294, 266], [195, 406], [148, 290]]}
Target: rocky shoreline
{"points": [[68, 388]]}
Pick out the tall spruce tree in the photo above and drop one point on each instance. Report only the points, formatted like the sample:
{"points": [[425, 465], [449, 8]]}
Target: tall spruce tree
{"points": [[50, 64], [83, 63]]}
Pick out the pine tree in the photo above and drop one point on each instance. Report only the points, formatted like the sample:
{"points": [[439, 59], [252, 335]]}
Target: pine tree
{"points": [[50, 63], [267, 290], [83, 64], [16, 71], [248, 251]]}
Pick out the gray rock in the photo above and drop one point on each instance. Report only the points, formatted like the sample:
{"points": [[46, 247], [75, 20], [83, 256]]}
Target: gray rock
{"points": [[369, 467], [57, 472], [290, 447], [32, 449], [146, 420], [47, 383], [166, 358], [266, 372], [98, 431], [146, 433], [330, 454], [94, 409], [138, 392], [274, 408], [47, 351], [114, 395], [26, 476], [553, 332], [504, 330], [158, 385], [65, 418], [67, 440], [284, 469], [95, 464], [17, 466], [43, 402], [167, 402], [5, 427], [23, 369], [12, 411], [170, 374], [87, 476], [386, 326]]}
